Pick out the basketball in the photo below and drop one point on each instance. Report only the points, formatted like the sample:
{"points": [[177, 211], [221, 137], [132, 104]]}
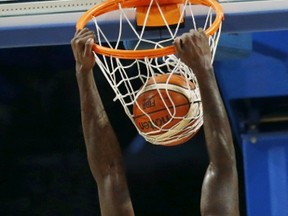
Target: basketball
{"points": [[161, 106]]}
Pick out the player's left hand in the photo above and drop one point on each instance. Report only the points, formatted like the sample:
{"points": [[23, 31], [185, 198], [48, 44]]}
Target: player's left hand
{"points": [[193, 48]]}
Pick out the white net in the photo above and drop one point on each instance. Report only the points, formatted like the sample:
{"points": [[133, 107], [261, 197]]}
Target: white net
{"points": [[130, 78]]}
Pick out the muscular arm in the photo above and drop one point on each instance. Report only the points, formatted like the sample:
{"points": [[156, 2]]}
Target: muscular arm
{"points": [[103, 150], [220, 186]]}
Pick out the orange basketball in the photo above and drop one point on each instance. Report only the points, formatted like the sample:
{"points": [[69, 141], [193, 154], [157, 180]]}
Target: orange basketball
{"points": [[162, 104]]}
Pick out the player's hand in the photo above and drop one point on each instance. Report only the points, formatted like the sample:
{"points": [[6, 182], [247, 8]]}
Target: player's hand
{"points": [[193, 49], [82, 44]]}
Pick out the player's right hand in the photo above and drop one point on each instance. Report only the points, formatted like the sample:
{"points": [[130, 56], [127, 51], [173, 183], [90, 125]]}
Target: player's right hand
{"points": [[82, 44]]}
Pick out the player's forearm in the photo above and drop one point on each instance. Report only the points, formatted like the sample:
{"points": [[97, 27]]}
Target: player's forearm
{"points": [[103, 150], [92, 109], [216, 123]]}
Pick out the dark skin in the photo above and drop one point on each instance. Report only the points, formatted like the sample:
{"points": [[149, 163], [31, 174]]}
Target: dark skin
{"points": [[220, 186]]}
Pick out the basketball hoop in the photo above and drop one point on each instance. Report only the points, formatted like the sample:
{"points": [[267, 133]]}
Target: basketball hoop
{"points": [[213, 28], [149, 52]]}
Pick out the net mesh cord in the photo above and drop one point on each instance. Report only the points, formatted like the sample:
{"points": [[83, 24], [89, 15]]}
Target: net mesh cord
{"points": [[127, 77]]}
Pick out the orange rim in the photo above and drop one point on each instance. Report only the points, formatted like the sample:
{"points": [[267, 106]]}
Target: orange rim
{"points": [[112, 5]]}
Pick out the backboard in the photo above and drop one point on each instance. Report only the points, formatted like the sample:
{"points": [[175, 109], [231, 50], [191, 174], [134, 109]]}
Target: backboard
{"points": [[34, 23]]}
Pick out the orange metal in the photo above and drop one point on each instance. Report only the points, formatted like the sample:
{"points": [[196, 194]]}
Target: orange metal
{"points": [[112, 5], [171, 13]]}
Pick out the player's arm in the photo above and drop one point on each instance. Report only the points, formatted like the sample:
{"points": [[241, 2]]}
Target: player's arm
{"points": [[103, 150], [220, 186]]}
